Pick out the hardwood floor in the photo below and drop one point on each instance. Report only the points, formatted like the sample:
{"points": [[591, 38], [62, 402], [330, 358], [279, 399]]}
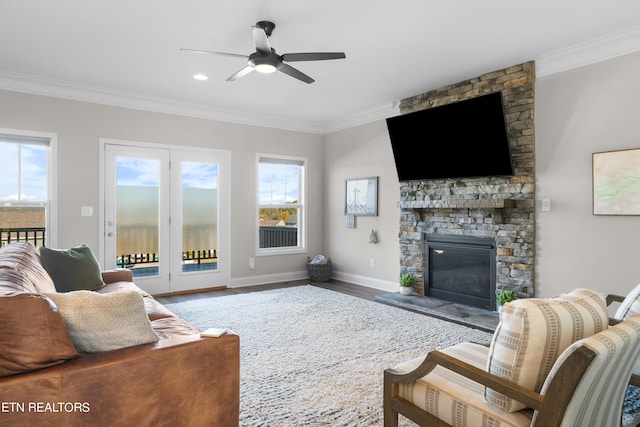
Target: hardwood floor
{"points": [[359, 291]]}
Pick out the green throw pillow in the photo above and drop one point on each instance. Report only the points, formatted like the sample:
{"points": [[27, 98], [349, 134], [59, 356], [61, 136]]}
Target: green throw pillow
{"points": [[73, 269]]}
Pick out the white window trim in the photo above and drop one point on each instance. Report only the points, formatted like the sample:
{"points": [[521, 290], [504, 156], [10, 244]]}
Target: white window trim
{"points": [[52, 179], [302, 219]]}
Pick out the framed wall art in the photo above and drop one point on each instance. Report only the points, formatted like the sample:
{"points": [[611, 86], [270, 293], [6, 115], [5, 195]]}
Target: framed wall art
{"points": [[361, 197], [616, 182]]}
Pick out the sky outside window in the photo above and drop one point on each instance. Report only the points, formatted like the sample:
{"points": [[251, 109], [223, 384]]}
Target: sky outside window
{"points": [[279, 184], [145, 173], [24, 172]]}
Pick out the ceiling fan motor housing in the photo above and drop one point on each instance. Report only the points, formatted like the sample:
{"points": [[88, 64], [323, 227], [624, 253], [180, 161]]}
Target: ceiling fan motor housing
{"points": [[267, 26], [257, 59]]}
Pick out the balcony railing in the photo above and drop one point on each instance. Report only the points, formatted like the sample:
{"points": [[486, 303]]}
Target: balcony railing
{"points": [[278, 236], [196, 257], [34, 235]]}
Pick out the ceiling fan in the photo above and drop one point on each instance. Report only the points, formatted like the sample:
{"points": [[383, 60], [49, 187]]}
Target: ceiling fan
{"points": [[266, 60]]}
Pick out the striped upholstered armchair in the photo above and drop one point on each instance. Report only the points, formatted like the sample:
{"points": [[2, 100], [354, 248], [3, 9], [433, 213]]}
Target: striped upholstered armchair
{"points": [[551, 362]]}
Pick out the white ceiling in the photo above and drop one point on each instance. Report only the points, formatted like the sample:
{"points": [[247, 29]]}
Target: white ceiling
{"points": [[126, 52]]}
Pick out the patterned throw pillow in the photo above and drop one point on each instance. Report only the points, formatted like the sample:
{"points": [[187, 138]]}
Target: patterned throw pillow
{"points": [[104, 322], [23, 258], [532, 334]]}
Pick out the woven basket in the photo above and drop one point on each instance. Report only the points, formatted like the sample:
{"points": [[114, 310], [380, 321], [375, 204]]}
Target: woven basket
{"points": [[319, 272]]}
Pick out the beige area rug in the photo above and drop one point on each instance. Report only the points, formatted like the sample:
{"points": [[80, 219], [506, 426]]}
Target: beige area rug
{"points": [[314, 357]]}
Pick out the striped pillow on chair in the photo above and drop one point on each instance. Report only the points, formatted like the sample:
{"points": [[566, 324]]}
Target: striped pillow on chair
{"points": [[532, 334]]}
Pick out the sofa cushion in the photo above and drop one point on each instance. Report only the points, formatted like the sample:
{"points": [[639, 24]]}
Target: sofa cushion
{"points": [[23, 257], [72, 269], [103, 322], [32, 334], [532, 334]]}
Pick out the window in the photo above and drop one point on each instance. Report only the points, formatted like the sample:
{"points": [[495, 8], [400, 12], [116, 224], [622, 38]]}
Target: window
{"points": [[280, 204], [25, 189]]}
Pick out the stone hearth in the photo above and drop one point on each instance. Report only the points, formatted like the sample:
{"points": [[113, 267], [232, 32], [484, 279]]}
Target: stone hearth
{"points": [[498, 208]]}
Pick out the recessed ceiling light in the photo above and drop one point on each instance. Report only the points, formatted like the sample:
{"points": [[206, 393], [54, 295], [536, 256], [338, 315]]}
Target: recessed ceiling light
{"points": [[200, 77]]}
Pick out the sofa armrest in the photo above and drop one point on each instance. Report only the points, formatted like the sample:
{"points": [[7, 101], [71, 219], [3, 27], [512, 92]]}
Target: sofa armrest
{"points": [[119, 275], [181, 381]]}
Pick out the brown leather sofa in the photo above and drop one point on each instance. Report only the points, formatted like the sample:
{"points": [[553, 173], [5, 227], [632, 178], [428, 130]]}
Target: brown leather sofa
{"points": [[179, 380]]}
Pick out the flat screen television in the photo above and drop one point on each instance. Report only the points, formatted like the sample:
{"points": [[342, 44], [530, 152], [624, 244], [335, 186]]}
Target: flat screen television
{"points": [[464, 139]]}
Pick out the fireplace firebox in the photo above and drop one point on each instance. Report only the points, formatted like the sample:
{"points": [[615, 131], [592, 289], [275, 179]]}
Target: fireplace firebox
{"points": [[461, 269]]}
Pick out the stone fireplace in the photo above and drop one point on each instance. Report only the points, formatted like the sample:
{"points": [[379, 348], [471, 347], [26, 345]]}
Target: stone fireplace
{"points": [[501, 210]]}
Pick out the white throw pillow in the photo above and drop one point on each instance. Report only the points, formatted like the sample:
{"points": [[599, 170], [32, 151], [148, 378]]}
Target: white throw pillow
{"points": [[104, 322], [532, 334]]}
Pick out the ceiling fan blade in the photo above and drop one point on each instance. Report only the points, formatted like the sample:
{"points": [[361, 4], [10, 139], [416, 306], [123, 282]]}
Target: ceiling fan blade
{"points": [[215, 53], [293, 72], [246, 70], [261, 41], [312, 56]]}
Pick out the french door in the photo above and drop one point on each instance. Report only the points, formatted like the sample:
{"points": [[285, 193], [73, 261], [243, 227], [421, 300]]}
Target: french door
{"points": [[166, 215]]}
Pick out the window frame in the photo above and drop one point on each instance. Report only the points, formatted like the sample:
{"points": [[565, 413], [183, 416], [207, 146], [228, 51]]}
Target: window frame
{"points": [[51, 205], [302, 211]]}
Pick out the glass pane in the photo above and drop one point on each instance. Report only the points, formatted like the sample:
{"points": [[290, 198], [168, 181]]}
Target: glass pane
{"points": [[279, 198], [199, 216], [463, 271], [33, 172], [278, 227], [24, 224], [279, 184], [138, 215], [9, 187]]}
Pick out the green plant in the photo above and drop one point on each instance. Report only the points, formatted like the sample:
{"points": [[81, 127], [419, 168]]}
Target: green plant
{"points": [[406, 280], [506, 296]]}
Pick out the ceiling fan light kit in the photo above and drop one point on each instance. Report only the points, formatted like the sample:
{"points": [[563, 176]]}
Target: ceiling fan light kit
{"points": [[266, 60]]}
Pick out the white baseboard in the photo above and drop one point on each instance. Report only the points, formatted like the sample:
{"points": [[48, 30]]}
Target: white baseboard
{"points": [[370, 282], [268, 278], [301, 275]]}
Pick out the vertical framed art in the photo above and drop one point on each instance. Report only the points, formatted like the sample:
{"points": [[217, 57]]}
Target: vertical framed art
{"points": [[616, 182], [361, 197]]}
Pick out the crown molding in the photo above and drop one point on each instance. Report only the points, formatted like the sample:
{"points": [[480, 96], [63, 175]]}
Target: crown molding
{"points": [[596, 50], [601, 49], [38, 85], [372, 115]]}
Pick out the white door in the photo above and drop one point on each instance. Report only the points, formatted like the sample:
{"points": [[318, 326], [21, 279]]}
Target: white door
{"points": [[166, 216], [199, 220]]}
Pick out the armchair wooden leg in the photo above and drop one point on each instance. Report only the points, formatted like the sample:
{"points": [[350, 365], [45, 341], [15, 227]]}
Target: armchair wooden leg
{"points": [[390, 415]]}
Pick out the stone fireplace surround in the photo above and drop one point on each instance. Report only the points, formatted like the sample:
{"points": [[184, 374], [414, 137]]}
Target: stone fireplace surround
{"points": [[499, 208]]}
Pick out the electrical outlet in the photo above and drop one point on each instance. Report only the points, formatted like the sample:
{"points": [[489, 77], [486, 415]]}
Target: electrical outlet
{"points": [[372, 262], [252, 263], [546, 205], [86, 210]]}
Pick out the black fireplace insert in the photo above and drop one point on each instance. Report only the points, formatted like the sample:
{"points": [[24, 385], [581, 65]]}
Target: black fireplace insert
{"points": [[461, 269]]}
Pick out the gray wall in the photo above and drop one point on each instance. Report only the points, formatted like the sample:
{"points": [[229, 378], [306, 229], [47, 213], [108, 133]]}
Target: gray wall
{"points": [[80, 125], [578, 112]]}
